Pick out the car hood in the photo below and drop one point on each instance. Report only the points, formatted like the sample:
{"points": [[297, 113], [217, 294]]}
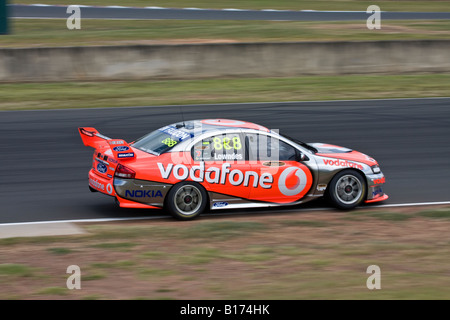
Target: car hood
{"points": [[333, 151]]}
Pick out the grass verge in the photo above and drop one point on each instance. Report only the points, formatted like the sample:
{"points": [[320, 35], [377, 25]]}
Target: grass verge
{"points": [[48, 33], [60, 95], [303, 255]]}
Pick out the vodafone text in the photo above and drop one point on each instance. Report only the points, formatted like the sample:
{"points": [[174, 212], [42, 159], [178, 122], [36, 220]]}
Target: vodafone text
{"points": [[96, 184], [236, 177], [216, 175], [342, 163]]}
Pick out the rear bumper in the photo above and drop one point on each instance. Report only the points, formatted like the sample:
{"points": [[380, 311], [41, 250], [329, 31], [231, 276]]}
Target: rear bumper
{"points": [[101, 184], [105, 186], [140, 192]]}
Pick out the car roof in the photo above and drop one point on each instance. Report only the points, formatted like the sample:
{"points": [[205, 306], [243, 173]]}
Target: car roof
{"points": [[208, 125]]}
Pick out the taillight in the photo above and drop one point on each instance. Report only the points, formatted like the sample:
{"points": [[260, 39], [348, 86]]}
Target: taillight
{"points": [[124, 172]]}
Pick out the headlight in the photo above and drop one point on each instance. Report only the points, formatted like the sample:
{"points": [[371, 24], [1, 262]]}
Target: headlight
{"points": [[376, 169]]}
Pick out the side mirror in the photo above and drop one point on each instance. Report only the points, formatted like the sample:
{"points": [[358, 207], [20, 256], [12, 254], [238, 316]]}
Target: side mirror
{"points": [[302, 157]]}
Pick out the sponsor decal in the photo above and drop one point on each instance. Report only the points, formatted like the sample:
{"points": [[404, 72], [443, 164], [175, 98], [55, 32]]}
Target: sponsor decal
{"points": [[378, 191], [342, 163], [321, 187], [112, 160], [220, 204], [236, 177], [102, 161], [121, 148], [96, 184], [232, 156], [175, 133], [216, 175], [125, 155], [299, 186], [116, 142], [143, 193], [102, 168], [109, 188], [379, 181], [169, 142], [273, 164]]}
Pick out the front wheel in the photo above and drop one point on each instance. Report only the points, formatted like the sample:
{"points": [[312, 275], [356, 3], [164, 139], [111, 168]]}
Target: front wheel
{"points": [[186, 200], [347, 189]]}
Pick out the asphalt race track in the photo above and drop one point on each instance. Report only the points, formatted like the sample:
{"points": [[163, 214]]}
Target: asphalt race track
{"points": [[44, 164], [152, 13]]}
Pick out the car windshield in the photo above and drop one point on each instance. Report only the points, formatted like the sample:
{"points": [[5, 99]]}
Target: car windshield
{"points": [[301, 143], [161, 140]]}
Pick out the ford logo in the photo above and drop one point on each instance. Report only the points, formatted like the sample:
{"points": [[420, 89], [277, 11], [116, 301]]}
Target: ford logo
{"points": [[102, 168], [121, 148], [220, 204]]}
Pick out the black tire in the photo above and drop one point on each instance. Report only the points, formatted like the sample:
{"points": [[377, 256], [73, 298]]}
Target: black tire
{"points": [[186, 200], [347, 189]]}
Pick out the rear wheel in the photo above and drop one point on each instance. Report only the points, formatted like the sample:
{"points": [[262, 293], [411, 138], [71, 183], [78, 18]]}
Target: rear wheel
{"points": [[347, 189], [186, 200]]}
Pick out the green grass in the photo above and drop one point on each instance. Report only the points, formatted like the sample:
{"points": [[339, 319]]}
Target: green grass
{"points": [[27, 96], [49, 33], [15, 270], [145, 273], [115, 245], [116, 264], [92, 297], [151, 255], [354, 5], [388, 216], [443, 213], [60, 251], [305, 223], [200, 255], [94, 275], [60, 291], [222, 230]]}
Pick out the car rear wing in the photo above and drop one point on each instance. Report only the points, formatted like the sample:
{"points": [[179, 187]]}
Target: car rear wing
{"points": [[120, 148]]}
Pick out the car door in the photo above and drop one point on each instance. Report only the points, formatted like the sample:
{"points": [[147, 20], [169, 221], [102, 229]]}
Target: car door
{"points": [[222, 159], [283, 176]]}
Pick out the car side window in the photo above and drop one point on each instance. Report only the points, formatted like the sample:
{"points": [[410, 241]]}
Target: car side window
{"points": [[287, 152], [222, 147], [266, 148]]}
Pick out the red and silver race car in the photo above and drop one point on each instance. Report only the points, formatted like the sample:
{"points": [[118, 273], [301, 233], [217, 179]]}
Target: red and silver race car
{"points": [[192, 166]]}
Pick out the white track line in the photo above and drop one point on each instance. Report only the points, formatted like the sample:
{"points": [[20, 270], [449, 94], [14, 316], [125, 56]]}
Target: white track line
{"points": [[209, 9], [83, 220], [218, 214], [413, 204]]}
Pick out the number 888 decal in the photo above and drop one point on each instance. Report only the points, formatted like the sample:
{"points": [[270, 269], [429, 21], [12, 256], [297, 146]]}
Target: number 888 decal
{"points": [[224, 143]]}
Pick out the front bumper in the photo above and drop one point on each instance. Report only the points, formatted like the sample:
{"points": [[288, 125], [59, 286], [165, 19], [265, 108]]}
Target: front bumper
{"points": [[375, 183]]}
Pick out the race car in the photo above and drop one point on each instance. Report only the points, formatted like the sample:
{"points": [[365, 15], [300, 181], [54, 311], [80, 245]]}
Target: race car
{"points": [[189, 167]]}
